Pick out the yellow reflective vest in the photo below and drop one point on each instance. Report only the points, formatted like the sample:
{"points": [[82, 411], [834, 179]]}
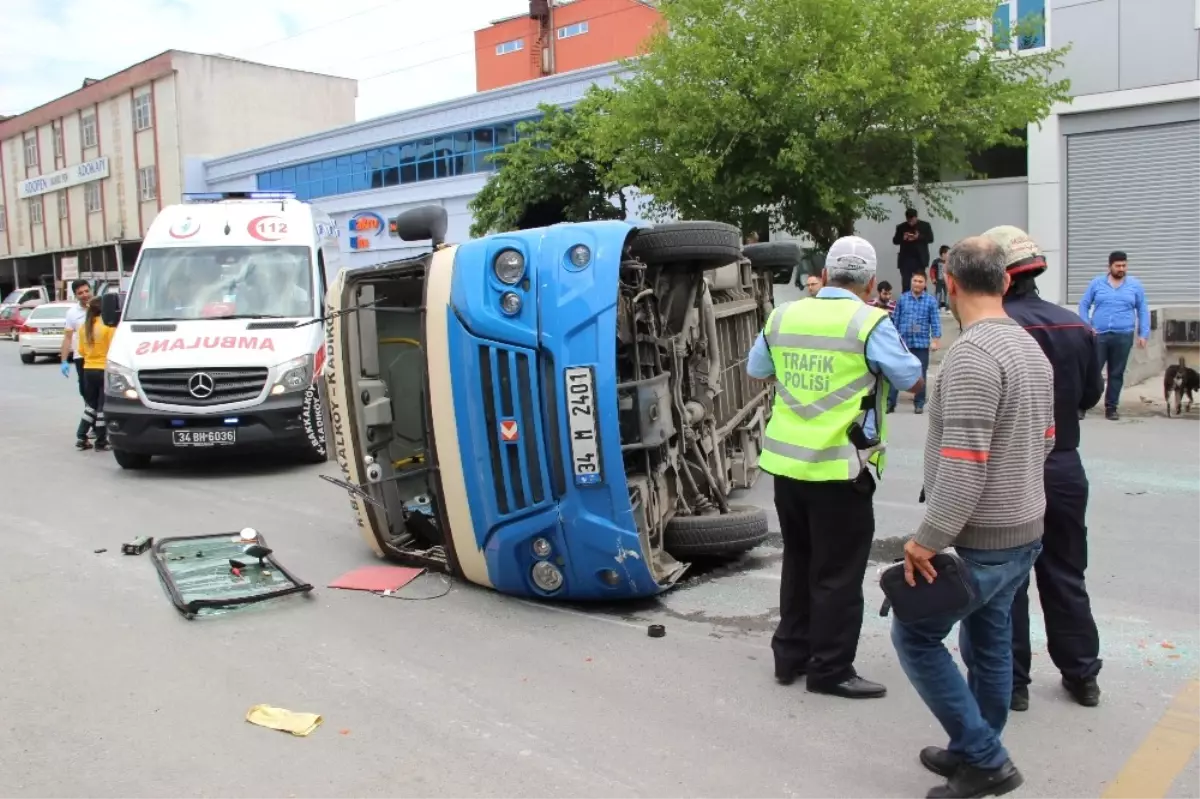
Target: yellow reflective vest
{"points": [[818, 346]]}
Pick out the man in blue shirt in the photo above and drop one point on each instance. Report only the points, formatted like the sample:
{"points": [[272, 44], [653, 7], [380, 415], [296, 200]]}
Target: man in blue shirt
{"points": [[1115, 306], [920, 325]]}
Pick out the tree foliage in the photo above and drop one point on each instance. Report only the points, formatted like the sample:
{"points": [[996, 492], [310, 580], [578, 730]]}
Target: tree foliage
{"points": [[552, 173], [808, 108]]}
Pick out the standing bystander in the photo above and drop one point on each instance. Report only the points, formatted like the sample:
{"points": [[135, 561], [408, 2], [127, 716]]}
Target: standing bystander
{"points": [[884, 297], [813, 284], [1115, 306], [913, 235], [71, 327], [920, 325], [991, 426], [94, 340], [829, 356], [937, 276]]}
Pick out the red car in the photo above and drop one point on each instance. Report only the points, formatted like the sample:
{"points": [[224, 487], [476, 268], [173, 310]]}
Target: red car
{"points": [[13, 316]]}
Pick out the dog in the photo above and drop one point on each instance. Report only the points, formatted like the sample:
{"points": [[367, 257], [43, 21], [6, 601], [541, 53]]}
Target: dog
{"points": [[1179, 380]]}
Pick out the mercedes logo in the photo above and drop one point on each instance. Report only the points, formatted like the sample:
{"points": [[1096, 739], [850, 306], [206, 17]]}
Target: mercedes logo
{"points": [[201, 385]]}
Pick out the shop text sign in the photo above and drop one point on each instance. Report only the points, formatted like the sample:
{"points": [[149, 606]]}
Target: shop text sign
{"points": [[96, 169]]}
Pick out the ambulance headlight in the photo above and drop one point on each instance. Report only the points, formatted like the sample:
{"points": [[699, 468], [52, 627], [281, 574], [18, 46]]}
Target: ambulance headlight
{"points": [[293, 375], [509, 267], [119, 382], [546, 576]]}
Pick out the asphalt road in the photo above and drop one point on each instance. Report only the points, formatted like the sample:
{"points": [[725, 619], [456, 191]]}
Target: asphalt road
{"points": [[107, 691]]}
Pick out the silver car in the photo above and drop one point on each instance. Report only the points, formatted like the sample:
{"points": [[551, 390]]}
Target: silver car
{"points": [[42, 333]]}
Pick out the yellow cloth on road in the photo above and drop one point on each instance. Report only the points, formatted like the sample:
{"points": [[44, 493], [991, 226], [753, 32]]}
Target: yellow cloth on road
{"points": [[276, 718]]}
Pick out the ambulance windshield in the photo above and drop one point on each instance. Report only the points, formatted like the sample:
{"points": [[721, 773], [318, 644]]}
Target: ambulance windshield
{"points": [[181, 283]]}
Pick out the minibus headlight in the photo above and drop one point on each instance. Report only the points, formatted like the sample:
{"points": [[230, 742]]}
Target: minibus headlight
{"points": [[510, 303], [546, 576], [580, 256], [541, 547], [509, 267], [293, 375], [119, 382]]}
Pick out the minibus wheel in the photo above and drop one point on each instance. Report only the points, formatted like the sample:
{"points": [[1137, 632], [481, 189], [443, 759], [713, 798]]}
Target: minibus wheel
{"points": [[716, 535], [703, 244]]}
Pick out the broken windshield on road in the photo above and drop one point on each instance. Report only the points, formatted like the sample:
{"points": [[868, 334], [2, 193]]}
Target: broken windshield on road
{"points": [[182, 283]]}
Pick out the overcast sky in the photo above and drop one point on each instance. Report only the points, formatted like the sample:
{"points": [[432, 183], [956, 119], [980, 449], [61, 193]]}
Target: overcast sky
{"points": [[404, 53]]}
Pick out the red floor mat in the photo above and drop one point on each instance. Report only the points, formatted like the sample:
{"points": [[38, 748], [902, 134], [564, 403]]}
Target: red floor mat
{"points": [[377, 578]]}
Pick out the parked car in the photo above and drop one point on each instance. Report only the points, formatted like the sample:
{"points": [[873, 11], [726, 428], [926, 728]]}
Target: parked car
{"points": [[42, 332], [13, 316]]}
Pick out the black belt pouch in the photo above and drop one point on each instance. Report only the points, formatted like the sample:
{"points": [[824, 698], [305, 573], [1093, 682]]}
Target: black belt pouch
{"points": [[951, 592]]}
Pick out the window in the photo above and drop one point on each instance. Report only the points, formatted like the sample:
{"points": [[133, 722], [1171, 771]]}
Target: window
{"points": [[451, 154], [510, 47], [578, 29], [91, 197], [3, 220], [62, 205], [31, 149], [35, 210], [141, 111], [147, 183], [1019, 25], [87, 130], [58, 141]]}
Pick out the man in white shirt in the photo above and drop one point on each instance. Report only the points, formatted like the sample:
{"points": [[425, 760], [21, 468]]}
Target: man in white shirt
{"points": [[74, 322]]}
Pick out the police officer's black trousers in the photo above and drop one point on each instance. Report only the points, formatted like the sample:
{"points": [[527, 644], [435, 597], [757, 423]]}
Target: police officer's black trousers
{"points": [[1071, 634], [827, 532]]}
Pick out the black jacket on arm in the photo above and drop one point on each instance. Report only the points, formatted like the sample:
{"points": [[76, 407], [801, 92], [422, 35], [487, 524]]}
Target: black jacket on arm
{"points": [[1070, 345], [913, 254]]}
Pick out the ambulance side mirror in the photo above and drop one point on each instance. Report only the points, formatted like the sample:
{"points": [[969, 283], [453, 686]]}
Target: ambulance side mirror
{"points": [[110, 308]]}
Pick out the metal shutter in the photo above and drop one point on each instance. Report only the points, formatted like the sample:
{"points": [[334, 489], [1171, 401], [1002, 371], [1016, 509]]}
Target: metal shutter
{"points": [[1136, 190]]}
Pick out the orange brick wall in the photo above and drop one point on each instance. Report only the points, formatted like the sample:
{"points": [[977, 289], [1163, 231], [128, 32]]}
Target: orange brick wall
{"points": [[616, 30]]}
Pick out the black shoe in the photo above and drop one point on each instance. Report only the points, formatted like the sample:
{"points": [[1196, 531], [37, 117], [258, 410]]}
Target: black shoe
{"points": [[786, 672], [1086, 691], [891, 409], [970, 781], [103, 446], [1020, 699], [1112, 415], [853, 688], [941, 762], [83, 444]]}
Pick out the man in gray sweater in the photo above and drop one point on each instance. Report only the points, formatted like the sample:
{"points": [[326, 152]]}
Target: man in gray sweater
{"points": [[991, 426]]}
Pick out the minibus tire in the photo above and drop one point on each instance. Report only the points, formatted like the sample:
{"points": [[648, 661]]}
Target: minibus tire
{"points": [[705, 244], [772, 254], [718, 535], [130, 460]]}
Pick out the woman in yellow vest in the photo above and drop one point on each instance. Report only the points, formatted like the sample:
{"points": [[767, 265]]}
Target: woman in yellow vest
{"points": [[94, 339]]}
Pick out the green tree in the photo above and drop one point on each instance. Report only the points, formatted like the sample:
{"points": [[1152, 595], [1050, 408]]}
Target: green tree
{"points": [[806, 109], [552, 173]]}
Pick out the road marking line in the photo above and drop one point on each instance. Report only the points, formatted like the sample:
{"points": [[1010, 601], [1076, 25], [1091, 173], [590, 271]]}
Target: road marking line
{"points": [[1166, 752]]}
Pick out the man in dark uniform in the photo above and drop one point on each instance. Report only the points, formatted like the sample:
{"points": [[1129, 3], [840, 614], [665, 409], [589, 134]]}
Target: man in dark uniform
{"points": [[1070, 346]]}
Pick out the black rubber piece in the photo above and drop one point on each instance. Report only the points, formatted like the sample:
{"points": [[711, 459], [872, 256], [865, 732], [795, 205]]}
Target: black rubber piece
{"points": [[718, 535], [773, 254], [704, 244], [656, 631]]}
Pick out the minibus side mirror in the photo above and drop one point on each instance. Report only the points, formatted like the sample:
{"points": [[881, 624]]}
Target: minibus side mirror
{"points": [[110, 308], [419, 224], [782, 275]]}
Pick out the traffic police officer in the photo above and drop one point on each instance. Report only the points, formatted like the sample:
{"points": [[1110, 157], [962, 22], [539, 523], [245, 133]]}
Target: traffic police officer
{"points": [[1070, 346], [832, 357]]}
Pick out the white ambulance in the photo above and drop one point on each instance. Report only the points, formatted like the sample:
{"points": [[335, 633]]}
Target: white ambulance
{"points": [[219, 341]]}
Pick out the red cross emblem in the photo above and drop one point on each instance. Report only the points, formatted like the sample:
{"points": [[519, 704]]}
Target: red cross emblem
{"points": [[508, 430]]}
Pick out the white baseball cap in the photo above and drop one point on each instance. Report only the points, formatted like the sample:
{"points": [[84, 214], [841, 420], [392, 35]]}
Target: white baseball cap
{"points": [[851, 255]]}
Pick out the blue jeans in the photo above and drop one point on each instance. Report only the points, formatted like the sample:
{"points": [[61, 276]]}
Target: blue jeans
{"points": [[972, 711], [1113, 351], [919, 399]]}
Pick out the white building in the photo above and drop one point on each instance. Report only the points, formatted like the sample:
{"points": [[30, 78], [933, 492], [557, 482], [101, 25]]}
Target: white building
{"points": [[1116, 169], [82, 177]]}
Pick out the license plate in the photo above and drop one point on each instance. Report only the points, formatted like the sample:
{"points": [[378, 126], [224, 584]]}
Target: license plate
{"points": [[51, 331], [204, 438], [580, 384]]}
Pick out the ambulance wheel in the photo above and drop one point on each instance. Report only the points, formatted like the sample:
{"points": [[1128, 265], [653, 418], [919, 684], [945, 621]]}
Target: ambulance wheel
{"points": [[131, 460], [773, 254], [718, 535], [704, 244], [314, 418]]}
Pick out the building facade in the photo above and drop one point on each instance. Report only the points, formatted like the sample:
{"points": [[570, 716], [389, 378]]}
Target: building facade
{"points": [[558, 37], [1118, 168], [82, 177]]}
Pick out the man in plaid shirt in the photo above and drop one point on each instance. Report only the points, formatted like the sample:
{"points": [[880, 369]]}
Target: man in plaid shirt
{"points": [[920, 325]]}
